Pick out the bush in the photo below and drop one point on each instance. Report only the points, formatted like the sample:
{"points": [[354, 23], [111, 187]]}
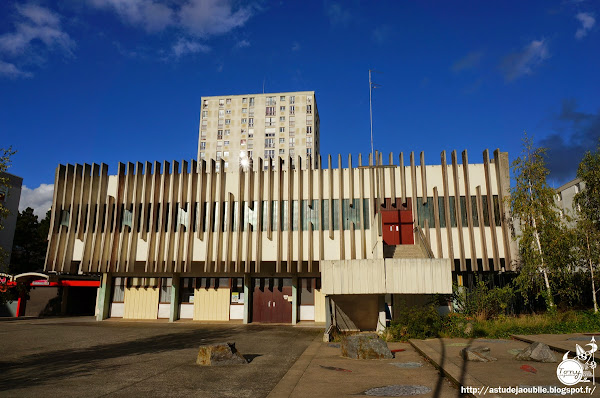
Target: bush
{"points": [[422, 323], [484, 303], [415, 323]]}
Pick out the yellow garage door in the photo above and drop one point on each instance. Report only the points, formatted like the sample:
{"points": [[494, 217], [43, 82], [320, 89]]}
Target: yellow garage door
{"points": [[211, 304], [319, 306], [141, 303]]}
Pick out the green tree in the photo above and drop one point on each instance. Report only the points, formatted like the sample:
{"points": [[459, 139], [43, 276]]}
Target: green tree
{"points": [[30, 243], [542, 234], [587, 207]]}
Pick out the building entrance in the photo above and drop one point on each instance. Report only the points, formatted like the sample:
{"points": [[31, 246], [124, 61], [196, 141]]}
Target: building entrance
{"points": [[397, 223], [272, 300]]}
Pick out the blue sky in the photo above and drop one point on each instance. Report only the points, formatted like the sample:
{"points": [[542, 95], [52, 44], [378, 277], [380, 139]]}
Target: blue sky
{"points": [[121, 80]]}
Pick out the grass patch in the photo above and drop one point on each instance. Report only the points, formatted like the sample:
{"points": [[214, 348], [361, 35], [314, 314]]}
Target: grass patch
{"points": [[422, 323]]}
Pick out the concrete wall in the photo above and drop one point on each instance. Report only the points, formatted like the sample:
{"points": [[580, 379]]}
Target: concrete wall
{"points": [[414, 275]]}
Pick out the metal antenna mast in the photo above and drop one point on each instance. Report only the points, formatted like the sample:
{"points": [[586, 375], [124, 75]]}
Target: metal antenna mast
{"points": [[371, 87]]}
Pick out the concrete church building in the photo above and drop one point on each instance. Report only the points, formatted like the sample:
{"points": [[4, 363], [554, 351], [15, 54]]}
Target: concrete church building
{"points": [[303, 242]]}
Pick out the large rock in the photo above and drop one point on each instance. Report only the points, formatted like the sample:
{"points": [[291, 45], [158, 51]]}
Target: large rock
{"points": [[477, 354], [538, 352], [219, 354], [365, 346]]}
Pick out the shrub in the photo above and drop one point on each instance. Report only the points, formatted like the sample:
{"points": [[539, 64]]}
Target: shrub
{"points": [[415, 323], [484, 303]]}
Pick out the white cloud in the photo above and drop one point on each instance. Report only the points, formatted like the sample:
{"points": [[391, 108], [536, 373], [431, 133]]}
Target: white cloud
{"points": [[200, 18], [35, 29], [337, 14], [184, 46], [39, 199], [381, 33], [11, 71], [195, 19], [150, 15], [205, 18], [295, 46], [523, 62], [36, 23], [587, 23], [242, 44], [469, 61]]}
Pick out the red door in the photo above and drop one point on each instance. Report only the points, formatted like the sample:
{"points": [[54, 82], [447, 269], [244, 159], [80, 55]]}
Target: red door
{"points": [[271, 300], [397, 226], [391, 233]]}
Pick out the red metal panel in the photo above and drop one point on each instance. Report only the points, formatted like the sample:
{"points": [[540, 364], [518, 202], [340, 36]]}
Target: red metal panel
{"points": [[406, 234]]}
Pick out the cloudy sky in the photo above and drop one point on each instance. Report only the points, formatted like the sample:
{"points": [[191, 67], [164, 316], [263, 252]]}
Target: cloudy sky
{"points": [[121, 80]]}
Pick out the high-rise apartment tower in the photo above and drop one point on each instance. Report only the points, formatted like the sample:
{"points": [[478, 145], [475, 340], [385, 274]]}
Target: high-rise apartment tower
{"points": [[241, 128]]}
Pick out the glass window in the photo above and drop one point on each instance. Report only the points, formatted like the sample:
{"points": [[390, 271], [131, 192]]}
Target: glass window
{"points": [[165, 290], [118, 295], [187, 290]]}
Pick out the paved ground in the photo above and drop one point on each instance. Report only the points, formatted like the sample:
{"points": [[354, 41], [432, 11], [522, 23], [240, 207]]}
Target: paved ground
{"points": [[562, 342], [506, 371], [322, 372], [78, 357]]}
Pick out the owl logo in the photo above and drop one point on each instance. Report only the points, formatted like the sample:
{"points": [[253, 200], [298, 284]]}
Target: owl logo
{"points": [[580, 368]]}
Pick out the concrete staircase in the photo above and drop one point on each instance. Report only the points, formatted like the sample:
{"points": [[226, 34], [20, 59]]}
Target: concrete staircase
{"points": [[404, 251]]}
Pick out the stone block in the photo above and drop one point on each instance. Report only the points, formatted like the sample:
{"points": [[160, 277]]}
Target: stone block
{"points": [[365, 346], [538, 352], [219, 354]]}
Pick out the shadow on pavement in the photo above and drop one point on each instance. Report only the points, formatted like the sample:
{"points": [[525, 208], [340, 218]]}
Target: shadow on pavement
{"points": [[69, 363]]}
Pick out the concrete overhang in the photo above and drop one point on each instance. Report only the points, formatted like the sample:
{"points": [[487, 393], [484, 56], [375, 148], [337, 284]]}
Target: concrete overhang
{"points": [[387, 276]]}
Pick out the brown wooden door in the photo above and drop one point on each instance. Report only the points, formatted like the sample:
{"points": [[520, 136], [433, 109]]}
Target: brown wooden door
{"points": [[271, 300], [261, 300], [281, 308]]}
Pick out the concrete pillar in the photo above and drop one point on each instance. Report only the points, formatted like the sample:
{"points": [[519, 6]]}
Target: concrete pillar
{"points": [[64, 300], [174, 309], [381, 321], [328, 323], [104, 297], [247, 297], [294, 300]]}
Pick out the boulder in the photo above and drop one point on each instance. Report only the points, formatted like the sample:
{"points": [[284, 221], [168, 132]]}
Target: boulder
{"points": [[365, 346], [538, 352], [219, 354], [477, 354]]}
